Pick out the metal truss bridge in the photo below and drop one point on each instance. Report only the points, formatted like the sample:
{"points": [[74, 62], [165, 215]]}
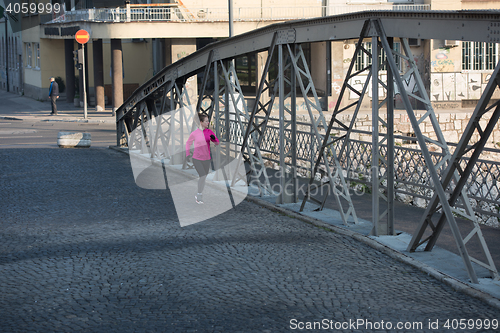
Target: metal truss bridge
{"points": [[244, 128]]}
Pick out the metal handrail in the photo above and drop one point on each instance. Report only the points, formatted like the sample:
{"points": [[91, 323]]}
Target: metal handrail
{"points": [[175, 13], [421, 188]]}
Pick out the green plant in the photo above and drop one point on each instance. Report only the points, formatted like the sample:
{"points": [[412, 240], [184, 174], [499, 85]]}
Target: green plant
{"points": [[60, 83]]}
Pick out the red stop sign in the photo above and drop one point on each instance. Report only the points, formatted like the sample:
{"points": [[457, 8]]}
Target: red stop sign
{"points": [[82, 36]]}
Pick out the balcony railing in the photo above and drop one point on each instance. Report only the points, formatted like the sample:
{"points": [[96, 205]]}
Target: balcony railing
{"points": [[178, 13]]}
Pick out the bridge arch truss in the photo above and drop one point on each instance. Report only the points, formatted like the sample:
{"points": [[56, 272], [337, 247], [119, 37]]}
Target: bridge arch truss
{"points": [[285, 73]]}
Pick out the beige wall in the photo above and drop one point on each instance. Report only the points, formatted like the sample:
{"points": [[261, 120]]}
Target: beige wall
{"points": [[51, 59], [180, 48], [318, 65], [463, 4], [137, 61], [249, 3], [480, 4], [446, 4]]}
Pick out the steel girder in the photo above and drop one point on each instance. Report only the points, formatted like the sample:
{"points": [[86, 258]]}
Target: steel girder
{"points": [[382, 168], [423, 141], [478, 25], [464, 147], [324, 141], [287, 121], [328, 140], [253, 154], [139, 108]]}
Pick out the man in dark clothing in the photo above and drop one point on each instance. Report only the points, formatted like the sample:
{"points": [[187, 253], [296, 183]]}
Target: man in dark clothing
{"points": [[53, 94]]}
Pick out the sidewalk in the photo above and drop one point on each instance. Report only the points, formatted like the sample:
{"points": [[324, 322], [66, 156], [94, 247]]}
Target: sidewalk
{"points": [[35, 110]]}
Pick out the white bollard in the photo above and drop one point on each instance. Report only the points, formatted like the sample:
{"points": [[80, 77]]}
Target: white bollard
{"points": [[73, 140]]}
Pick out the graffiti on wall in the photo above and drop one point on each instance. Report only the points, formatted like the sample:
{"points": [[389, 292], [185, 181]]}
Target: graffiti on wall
{"points": [[457, 86], [442, 62]]}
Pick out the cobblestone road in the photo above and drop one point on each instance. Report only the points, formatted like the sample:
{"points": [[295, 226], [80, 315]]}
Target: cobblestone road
{"points": [[83, 249]]}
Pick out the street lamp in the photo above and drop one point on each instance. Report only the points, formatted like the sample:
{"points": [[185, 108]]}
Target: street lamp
{"points": [[231, 28]]}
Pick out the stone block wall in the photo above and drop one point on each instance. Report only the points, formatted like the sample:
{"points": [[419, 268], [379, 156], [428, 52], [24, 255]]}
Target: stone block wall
{"points": [[452, 125]]}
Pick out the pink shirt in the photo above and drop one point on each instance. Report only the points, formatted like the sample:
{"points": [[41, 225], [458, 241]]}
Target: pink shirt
{"points": [[201, 141]]}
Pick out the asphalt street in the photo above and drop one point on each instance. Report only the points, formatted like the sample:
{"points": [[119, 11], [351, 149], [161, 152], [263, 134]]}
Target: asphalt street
{"points": [[25, 122]]}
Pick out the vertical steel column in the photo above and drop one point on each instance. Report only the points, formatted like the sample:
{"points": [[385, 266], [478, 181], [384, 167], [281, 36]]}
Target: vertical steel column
{"points": [[382, 168], [428, 159], [218, 130], [173, 126], [227, 115], [282, 143], [293, 134], [375, 146], [390, 147], [287, 143]]}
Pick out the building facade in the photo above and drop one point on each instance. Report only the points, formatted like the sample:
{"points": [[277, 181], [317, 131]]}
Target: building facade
{"points": [[142, 37]]}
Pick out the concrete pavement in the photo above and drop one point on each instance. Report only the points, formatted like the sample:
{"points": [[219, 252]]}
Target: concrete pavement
{"points": [[16, 107]]}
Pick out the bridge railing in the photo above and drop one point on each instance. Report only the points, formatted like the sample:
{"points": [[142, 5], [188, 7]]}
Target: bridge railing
{"points": [[413, 182], [176, 13]]}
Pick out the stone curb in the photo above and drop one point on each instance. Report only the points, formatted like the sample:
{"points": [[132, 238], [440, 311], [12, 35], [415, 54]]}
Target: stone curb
{"points": [[11, 118], [448, 280], [97, 121], [79, 121]]}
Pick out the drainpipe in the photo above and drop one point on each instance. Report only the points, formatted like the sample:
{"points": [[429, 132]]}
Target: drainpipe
{"points": [[231, 28], [6, 52]]}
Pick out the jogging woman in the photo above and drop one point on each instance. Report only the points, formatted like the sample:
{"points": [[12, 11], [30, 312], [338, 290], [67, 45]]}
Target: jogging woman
{"points": [[201, 138]]}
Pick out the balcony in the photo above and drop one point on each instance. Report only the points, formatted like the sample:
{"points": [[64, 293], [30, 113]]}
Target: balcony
{"points": [[178, 13]]}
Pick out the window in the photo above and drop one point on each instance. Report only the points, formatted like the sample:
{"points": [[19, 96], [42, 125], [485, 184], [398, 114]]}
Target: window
{"points": [[29, 55], [363, 60], [36, 48], [246, 71], [16, 64], [2, 52], [273, 70], [479, 56], [11, 52]]}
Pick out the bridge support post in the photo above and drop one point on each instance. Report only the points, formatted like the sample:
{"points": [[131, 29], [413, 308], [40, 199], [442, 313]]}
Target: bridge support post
{"points": [[287, 132], [382, 165]]}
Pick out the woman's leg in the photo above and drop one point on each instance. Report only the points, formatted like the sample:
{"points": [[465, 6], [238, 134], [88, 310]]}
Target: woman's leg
{"points": [[201, 168]]}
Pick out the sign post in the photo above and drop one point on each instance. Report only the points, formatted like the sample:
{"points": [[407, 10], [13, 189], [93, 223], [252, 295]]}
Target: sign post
{"points": [[82, 37]]}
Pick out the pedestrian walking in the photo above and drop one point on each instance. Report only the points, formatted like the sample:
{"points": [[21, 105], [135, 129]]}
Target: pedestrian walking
{"points": [[201, 139], [53, 94]]}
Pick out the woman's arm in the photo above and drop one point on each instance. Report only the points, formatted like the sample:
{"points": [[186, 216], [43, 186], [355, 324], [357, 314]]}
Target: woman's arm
{"points": [[189, 143], [213, 138]]}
